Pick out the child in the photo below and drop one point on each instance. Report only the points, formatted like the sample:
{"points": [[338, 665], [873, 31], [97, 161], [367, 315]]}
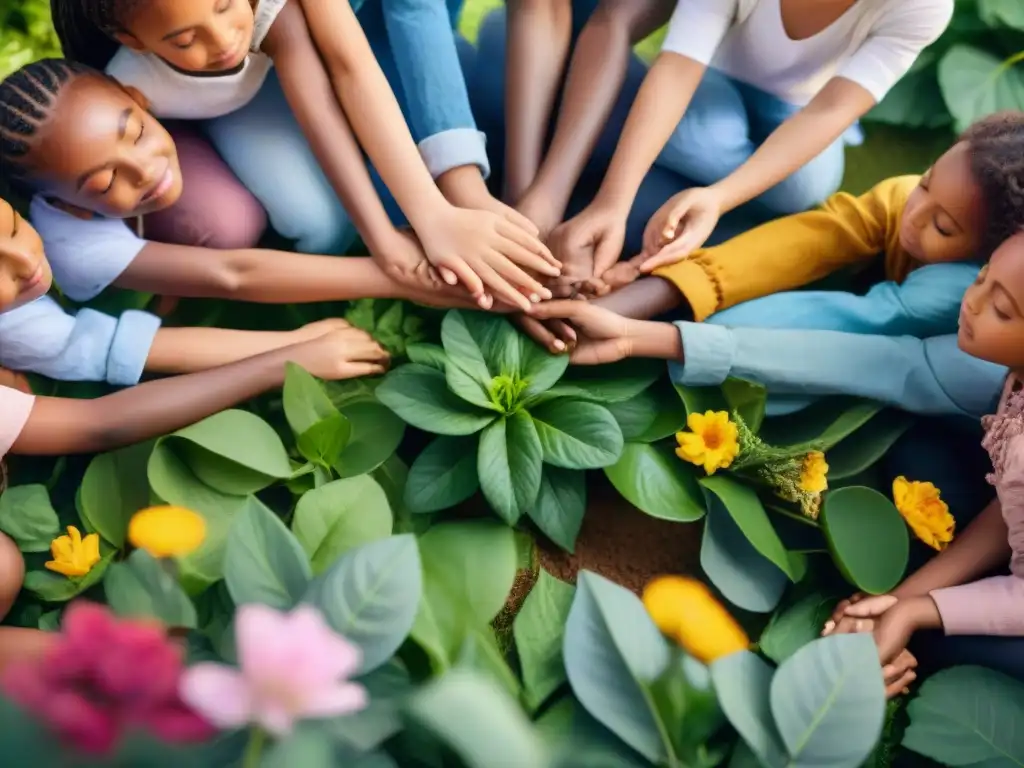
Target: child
{"points": [[54, 426], [768, 89], [198, 59], [72, 136], [980, 614]]}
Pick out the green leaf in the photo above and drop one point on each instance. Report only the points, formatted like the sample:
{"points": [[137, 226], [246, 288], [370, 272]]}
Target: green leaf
{"points": [[469, 389], [560, 506], [612, 383], [538, 367], [577, 435], [867, 537], [376, 434], [744, 576], [701, 399], [1002, 12], [509, 462], [916, 100], [420, 395], [307, 746], [51, 588], [479, 721], [743, 682], [340, 516], [443, 475], [867, 445], [114, 488], [670, 413], [234, 452], [653, 480], [141, 587], [975, 83], [539, 629], [263, 562], [748, 398], [821, 425], [323, 442], [829, 701], [746, 509], [636, 415], [430, 355], [465, 335], [387, 686], [305, 401], [371, 595], [794, 626], [480, 653], [27, 516], [968, 716], [468, 571], [612, 653]]}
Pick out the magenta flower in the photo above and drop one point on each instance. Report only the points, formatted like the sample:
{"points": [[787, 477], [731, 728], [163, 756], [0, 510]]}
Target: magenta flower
{"points": [[104, 676], [293, 666]]}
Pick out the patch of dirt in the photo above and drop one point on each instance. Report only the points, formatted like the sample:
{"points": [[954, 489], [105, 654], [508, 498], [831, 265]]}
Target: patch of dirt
{"points": [[623, 544]]}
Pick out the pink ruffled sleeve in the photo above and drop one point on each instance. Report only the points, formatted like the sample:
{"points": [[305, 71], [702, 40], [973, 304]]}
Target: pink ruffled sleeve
{"points": [[15, 408]]}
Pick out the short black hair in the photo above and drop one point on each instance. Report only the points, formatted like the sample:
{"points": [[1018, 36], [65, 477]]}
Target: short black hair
{"points": [[86, 28], [996, 145]]}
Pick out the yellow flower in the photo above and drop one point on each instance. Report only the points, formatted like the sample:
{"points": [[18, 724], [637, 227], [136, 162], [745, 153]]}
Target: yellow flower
{"points": [[814, 473], [925, 512], [685, 611], [712, 441], [73, 555], [167, 531]]}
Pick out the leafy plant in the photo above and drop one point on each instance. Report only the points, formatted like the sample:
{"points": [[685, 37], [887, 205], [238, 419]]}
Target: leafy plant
{"points": [[26, 34], [394, 324]]}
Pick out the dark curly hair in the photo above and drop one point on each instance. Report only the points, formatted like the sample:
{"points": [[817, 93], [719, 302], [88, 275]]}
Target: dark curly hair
{"points": [[27, 97], [996, 145], [86, 28]]}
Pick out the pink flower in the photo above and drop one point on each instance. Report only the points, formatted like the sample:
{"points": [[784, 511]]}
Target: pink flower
{"points": [[293, 667], [103, 676]]}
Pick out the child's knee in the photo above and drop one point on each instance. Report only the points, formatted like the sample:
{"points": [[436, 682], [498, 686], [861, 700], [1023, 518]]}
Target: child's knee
{"points": [[12, 573], [239, 223]]}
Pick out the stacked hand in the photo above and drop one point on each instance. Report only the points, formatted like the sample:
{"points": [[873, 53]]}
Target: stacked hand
{"points": [[588, 245], [339, 352], [680, 226]]}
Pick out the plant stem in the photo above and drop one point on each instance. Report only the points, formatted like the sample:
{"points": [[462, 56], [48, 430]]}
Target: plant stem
{"points": [[793, 515], [254, 748]]}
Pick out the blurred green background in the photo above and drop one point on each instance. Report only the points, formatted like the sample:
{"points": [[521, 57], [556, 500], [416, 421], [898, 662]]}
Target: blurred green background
{"points": [[974, 69]]}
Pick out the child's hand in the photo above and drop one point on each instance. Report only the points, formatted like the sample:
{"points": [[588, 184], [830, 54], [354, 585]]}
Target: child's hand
{"points": [[487, 253], [680, 226], [590, 243], [406, 264], [623, 273], [536, 206], [341, 354], [899, 674], [465, 187], [856, 611], [311, 331], [893, 632]]}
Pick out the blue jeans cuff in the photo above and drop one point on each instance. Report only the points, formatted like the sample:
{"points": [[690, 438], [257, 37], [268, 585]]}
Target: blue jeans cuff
{"points": [[130, 347], [454, 148], [708, 354]]}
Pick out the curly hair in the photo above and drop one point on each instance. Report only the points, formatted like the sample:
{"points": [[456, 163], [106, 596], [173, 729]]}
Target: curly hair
{"points": [[27, 98], [86, 28], [996, 145]]}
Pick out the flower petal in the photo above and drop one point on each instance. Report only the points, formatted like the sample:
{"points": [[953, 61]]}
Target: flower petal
{"points": [[326, 655], [275, 718], [335, 700], [266, 649], [217, 692]]}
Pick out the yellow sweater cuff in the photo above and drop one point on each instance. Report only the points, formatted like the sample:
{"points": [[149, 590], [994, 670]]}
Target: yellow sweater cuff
{"points": [[695, 284]]}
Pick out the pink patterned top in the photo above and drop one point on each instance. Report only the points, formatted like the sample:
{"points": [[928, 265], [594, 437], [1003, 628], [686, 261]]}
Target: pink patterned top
{"points": [[995, 606]]}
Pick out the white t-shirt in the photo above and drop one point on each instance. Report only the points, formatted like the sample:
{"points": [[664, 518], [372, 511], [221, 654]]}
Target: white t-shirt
{"points": [[173, 94], [873, 43]]}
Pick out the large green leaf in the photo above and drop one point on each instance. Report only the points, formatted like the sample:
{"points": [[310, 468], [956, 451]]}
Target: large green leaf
{"points": [[822, 424], [388, 687], [613, 652], [469, 389], [577, 435], [480, 653], [443, 475], [27, 516], [421, 396], [51, 588], [794, 626], [376, 434], [479, 721], [968, 716], [539, 629], [305, 401], [747, 398], [468, 571], [744, 576], [114, 488], [867, 445], [560, 506], [340, 516], [975, 83], [509, 462], [579, 741], [669, 412], [701, 399], [747, 510], [916, 100], [612, 383], [636, 415], [471, 343], [997, 12], [539, 368], [323, 443], [371, 595], [431, 355], [141, 587], [263, 562], [306, 746], [828, 701], [743, 682], [652, 479], [867, 537]]}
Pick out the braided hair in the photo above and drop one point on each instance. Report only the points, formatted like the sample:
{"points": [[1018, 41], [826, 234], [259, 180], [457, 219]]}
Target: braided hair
{"points": [[27, 98], [996, 145], [86, 28]]}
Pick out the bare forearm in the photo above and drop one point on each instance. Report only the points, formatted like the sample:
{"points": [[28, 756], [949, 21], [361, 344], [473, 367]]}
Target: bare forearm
{"points": [[539, 33], [188, 350], [646, 298], [596, 74], [980, 548]]}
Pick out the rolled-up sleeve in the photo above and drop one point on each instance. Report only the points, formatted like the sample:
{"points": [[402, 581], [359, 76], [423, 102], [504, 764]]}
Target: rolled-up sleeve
{"points": [[423, 43], [87, 346]]}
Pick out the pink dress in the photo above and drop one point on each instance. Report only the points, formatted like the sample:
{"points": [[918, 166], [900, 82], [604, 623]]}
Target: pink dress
{"points": [[995, 606]]}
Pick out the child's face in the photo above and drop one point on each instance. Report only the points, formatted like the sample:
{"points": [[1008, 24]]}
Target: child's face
{"points": [[102, 151], [991, 320], [942, 220], [193, 35], [24, 271]]}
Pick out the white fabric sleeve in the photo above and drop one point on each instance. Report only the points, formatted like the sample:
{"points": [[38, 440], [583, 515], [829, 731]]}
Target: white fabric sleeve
{"points": [[15, 408], [899, 35], [697, 28], [87, 255]]}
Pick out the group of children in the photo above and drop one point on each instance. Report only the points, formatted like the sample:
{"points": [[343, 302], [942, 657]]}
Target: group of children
{"points": [[156, 153]]}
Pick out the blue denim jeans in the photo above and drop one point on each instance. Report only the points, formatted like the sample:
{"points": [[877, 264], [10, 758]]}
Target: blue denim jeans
{"points": [[423, 60]]}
